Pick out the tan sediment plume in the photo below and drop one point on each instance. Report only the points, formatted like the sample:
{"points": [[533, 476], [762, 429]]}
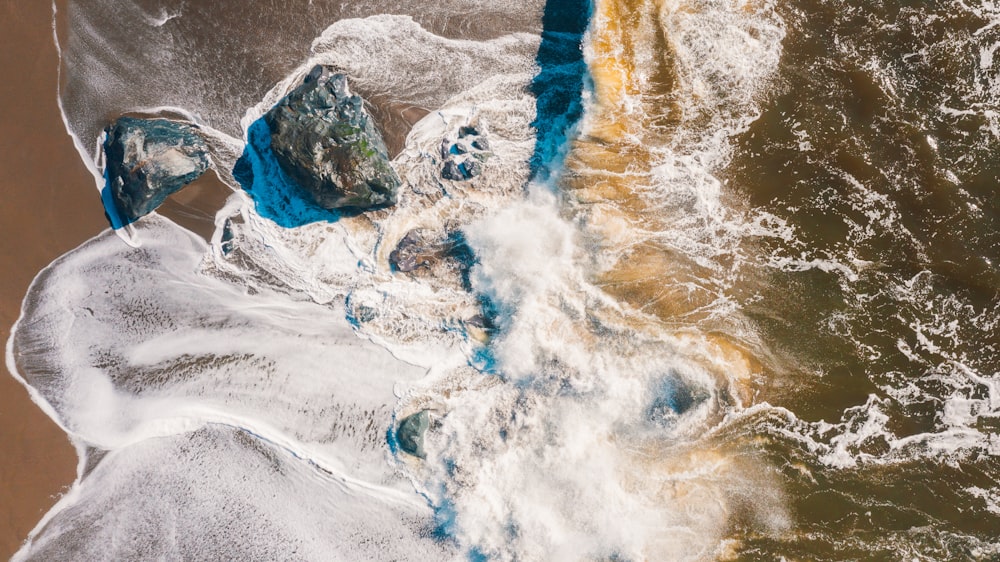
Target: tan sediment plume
{"points": [[610, 179], [610, 163], [635, 117], [49, 207]]}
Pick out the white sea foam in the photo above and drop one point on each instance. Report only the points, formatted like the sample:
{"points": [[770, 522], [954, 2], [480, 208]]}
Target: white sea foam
{"points": [[179, 341], [723, 55], [575, 446], [148, 348], [222, 493], [136, 360]]}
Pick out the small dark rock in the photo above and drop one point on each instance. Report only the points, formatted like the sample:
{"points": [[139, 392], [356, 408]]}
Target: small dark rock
{"points": [[226, 241], [409, 253], [461, 170], [324, 139], [482, 322], [364, 313], [466, 169], [149, 159], [420, 250], [470, 168], [673, 398], [411, 433], [452, 171]]}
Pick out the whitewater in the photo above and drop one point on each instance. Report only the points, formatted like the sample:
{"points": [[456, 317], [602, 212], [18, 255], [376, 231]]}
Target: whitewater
{"points": [[637, 356]]}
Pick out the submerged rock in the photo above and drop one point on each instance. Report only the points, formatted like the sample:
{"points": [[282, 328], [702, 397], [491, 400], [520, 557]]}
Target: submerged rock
{"points": [[420, 249], [411, 433], [673, 397], [324, 139], [149, 159], [243, 170]]}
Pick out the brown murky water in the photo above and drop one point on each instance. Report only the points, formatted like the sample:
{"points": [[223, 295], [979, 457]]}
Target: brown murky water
{"points": [[877, 146]]}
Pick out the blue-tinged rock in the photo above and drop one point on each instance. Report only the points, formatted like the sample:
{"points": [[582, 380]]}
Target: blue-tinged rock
{"points": [[411, 433], [146, 160], [324, 140], [452, 171], [462, 155], [461, 170], [470, 168]]}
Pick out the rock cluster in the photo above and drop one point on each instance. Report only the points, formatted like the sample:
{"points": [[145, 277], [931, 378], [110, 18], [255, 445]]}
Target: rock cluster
{"points": [[319, 135], [464, 155]]}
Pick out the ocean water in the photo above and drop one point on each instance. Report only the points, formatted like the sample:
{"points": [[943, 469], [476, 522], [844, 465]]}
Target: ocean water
{"points": [[728, 289]]}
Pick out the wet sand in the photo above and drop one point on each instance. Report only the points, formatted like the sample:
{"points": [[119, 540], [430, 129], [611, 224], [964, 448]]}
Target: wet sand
{"points": [[50, 206]]}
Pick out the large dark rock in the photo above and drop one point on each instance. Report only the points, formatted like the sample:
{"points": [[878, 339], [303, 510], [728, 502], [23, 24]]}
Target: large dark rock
{"points": [[411, 433], [149, 159], [324, 139]]}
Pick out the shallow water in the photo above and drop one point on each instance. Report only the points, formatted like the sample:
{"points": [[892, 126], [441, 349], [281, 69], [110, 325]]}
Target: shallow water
{"points": [[734, 292]]}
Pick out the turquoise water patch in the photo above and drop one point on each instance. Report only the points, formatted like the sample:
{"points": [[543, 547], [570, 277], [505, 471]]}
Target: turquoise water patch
{"points": [[276, 196], [558, 86]]}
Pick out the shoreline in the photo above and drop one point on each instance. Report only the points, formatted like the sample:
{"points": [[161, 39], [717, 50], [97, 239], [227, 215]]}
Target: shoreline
{"points": [[51, 208], [48, 194]]}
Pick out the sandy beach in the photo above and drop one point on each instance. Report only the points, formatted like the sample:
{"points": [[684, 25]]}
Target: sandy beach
{"points": [[50, 208], [48, 199]]}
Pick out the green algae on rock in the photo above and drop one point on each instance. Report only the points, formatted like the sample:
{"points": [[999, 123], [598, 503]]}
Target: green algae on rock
{"points": [[327, 143]]}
